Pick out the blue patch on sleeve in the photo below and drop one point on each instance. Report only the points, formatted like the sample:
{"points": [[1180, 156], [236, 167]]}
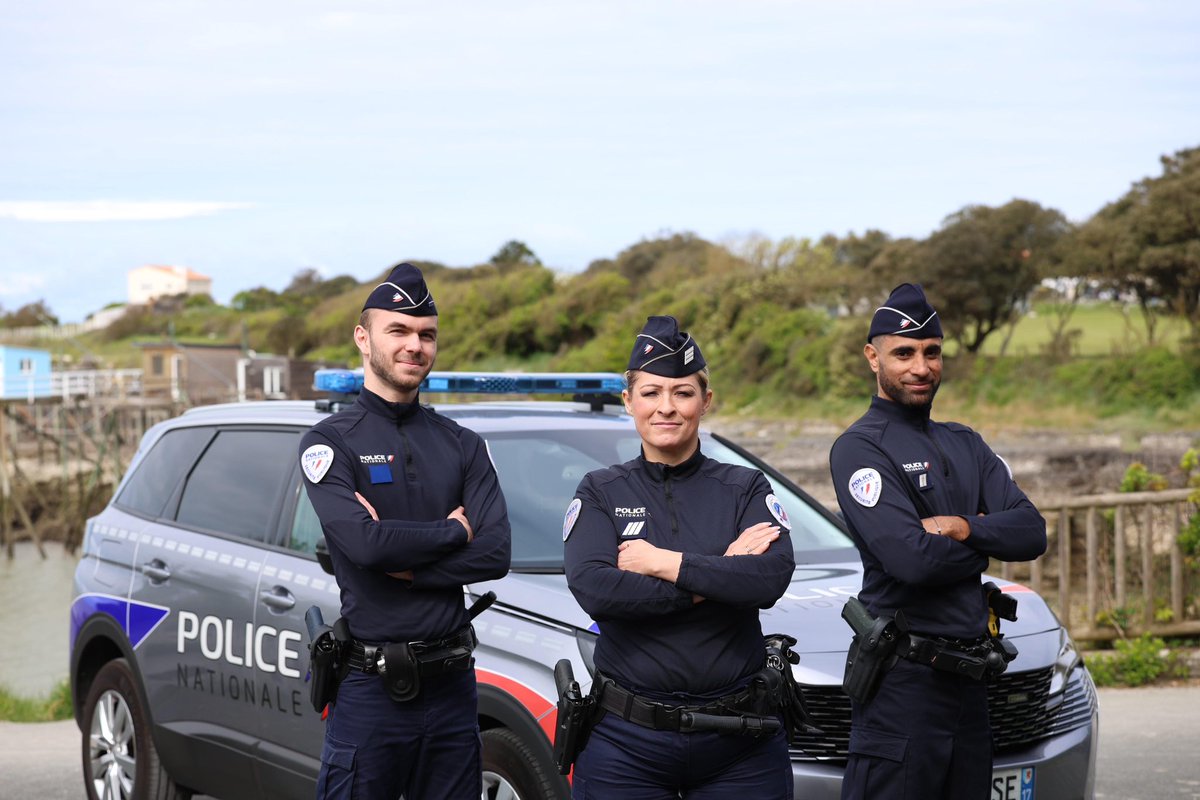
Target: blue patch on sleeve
{"points": [[381, 473]]}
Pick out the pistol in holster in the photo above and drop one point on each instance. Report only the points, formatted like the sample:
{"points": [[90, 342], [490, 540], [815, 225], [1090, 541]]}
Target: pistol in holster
{"points": [[797, 719], [1000, 606], [327, 662], [577, 714], [873, 650]]}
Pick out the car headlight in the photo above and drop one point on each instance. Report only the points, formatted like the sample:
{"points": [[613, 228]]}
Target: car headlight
{"points": [[1068, 659]]}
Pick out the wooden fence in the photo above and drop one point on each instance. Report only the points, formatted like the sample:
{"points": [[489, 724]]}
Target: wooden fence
{"points": [[1135, 577]]}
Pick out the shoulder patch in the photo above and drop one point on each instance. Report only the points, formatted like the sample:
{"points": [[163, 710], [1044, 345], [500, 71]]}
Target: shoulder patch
{"points": [[866, 485], [570, 517], [778, 511], [316, 461]]}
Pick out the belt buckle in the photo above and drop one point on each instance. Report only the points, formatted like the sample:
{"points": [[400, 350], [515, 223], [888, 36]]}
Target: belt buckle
{"points": [[666, 717]]}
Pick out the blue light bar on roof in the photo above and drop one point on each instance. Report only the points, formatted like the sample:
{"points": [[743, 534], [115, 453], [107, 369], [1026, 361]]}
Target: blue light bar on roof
{"points": [[350, 381], [338, 381], [524, 382]]}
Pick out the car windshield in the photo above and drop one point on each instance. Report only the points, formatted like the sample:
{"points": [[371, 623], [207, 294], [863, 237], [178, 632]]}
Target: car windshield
{"points": [[540, 470]]}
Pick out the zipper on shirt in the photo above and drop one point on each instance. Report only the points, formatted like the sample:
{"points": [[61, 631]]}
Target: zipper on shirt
{"points": [[938, 447], [409, 470], [670, 505]]}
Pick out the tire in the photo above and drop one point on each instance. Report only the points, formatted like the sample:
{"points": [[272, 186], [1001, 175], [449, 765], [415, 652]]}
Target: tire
{"points": [[513, 771], [119, 759]]}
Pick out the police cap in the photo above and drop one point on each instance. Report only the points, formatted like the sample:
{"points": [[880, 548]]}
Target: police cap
{"points": [[906, 312], [661, 348], [404, 291]]}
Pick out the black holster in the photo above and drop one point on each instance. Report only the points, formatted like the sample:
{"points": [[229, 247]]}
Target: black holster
{"points": [[577, 715], [789, 697], [327, 661], [872, 652]]}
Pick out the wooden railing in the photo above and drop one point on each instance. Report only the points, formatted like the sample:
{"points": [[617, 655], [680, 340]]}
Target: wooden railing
{"points": [[1122, 563]]}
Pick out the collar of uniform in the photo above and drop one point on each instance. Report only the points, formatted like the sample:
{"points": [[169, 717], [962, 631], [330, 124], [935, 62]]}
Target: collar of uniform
{"points": [[894, 410], [660, 472], [377, 405]]}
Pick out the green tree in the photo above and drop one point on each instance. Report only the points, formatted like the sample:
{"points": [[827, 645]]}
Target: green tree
{"points": [[981, 265], [1148, 241], [515, 252], [29, 315]]}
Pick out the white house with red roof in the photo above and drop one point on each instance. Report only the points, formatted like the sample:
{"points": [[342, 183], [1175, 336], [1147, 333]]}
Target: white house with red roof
{"points": [[152, 280]]}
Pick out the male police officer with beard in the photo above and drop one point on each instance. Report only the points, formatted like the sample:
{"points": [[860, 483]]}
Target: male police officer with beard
{"points": [[411, 509], [927, 503]]}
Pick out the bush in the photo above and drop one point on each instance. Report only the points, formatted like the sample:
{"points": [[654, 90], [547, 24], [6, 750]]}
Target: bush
{"points": [[1136, 662]]}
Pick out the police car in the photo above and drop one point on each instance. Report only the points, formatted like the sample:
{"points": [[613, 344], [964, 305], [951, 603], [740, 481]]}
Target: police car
{"points": [[189, 663]]}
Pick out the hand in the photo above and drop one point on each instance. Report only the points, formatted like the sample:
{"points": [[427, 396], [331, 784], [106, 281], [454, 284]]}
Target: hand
{"points": [[638, 555], [754, 540], [460, 514], [406, 575], [954, 527]]}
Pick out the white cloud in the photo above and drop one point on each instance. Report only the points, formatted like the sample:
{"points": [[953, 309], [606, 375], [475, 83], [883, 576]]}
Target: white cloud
{"points": [[110, 210]]}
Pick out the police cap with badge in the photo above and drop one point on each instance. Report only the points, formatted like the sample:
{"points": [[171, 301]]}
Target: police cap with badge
{"points": [[404, 291], [662, 349], [906, 312]]}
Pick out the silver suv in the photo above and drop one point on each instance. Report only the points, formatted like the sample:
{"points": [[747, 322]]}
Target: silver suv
{"points": [[189, 665]]}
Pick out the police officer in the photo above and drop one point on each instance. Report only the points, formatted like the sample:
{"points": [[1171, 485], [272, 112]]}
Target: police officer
{"points": [[927, 503], [673, 554], [411, 509]]}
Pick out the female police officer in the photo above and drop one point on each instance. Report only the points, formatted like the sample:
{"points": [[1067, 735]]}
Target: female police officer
{"points": [[653, 553]]}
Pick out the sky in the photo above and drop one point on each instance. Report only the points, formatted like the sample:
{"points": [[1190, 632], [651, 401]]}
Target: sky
{"points": [[251, 140]]}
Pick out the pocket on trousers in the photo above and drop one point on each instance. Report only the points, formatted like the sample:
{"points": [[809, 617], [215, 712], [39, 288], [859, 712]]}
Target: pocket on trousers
{"points": [[878, 744], [337, 770]]}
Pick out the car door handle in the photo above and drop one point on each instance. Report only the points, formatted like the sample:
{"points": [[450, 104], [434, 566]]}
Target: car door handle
{"points": [[278, 598], [156, 570]]}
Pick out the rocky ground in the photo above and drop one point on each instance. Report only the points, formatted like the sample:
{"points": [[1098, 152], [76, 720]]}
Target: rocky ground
{"points": [[1046, 463]]}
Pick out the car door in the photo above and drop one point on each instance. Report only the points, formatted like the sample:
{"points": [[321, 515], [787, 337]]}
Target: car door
{"points": [[204, 563], [291, 744]]}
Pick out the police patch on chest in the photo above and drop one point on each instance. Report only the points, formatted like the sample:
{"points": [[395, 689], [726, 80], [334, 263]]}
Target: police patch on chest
{"points": [[316, 461], [866, 485]]}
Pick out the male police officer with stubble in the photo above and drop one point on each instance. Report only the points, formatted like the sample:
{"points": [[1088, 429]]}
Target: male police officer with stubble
{"points": [[412, 510], [927, 503]]}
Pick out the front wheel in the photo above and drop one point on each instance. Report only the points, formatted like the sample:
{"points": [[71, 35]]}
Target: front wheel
{"points": [[119, 759], [513, 771]]}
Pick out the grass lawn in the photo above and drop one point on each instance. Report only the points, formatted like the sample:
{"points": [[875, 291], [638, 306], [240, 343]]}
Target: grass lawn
{"points": [[1103, 329]]}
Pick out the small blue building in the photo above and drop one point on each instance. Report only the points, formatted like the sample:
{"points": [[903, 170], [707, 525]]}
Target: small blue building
{"points": [[24, 373]]}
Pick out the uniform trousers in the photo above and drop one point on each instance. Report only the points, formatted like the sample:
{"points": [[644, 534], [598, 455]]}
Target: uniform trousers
{"points": [[624, 761], [925, 734], [427, 747]]}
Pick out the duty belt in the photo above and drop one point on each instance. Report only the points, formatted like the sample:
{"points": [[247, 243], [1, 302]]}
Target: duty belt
{"points": [[663, 717], [976, 658], [433, 657]]}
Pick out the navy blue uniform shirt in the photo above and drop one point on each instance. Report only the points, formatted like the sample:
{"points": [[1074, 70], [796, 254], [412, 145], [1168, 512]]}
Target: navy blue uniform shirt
{"points": [[892, 468], [654, 639], [414, 466]]}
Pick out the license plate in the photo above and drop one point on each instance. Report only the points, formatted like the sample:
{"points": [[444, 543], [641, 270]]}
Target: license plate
{"points": [[1012, 784]]}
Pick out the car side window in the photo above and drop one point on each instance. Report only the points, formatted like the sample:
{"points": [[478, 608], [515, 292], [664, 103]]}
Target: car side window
{"points": [[306, 526], [237, 485], [153, 483]]}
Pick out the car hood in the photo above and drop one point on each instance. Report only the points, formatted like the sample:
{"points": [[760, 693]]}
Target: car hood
{"points": [[810, 611]]}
